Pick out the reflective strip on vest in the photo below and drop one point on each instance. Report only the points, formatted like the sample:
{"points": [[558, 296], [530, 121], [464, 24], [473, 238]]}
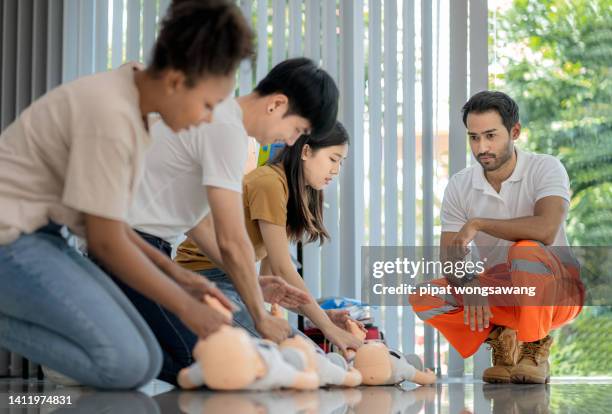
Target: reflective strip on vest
{"points": [[536, 268], [428, 314]]}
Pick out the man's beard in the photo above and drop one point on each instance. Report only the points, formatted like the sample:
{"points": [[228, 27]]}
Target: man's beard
{"points": [[498, 160]]}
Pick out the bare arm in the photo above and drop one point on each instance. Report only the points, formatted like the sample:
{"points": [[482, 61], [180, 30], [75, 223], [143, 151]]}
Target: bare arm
{"points": [[476, 311], [338, 316], [273, 288], [264, 267], [160, 260], [195, 284], [111, 242], [548, 216], [140, 266], [203, 235], [449, 252], [238, 259], [279, 262]]}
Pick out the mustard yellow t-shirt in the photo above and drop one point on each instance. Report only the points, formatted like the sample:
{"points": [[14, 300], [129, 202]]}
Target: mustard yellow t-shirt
{"points": [[264, 195]]}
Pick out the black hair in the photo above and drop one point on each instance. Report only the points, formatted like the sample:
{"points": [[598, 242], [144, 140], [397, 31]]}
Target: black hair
{"points": [[499, 102], [312, 93], [202, 38], [305, 204]]}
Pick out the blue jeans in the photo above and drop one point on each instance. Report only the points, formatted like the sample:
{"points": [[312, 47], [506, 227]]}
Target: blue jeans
{"points": [[57, 308], [242, 317]]}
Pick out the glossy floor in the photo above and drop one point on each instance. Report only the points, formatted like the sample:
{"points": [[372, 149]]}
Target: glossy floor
{"points": [[592, 396]]}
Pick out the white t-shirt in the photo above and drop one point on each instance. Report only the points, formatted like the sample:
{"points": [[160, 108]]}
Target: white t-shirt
{"points": [[469, 195], [78, 149], [172, 198]]}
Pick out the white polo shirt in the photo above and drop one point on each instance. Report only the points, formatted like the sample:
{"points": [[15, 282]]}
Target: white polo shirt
{"points": [[171, 198], [469, 195]]}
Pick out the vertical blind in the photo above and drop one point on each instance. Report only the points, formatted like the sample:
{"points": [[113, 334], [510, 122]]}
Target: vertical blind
{"points": [[30, 64], [386, 58], [378, 52]]}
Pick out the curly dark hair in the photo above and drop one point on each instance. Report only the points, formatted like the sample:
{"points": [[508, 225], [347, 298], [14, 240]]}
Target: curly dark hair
{"points": [[202, 38]]}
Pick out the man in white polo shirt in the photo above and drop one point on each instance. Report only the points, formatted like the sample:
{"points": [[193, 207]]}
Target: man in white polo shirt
{"points": [[509, 208]]}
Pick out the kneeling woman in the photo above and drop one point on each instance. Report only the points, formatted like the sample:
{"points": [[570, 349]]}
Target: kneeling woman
{"points": [[283, 202]]}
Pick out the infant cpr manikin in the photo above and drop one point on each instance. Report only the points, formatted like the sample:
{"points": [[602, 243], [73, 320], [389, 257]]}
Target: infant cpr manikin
{"points": [[380, 365], [332, 369], [230, 359]]}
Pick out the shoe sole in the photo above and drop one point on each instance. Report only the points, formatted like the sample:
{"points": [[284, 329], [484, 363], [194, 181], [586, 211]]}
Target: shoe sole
{"points": [[526, 379], [497, 380]]}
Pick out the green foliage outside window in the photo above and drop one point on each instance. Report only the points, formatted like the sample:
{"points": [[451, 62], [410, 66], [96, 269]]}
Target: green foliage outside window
{"points": [[557, 59]]}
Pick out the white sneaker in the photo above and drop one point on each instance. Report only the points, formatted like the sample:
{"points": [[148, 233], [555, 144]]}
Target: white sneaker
{"points": [[59, 379]]}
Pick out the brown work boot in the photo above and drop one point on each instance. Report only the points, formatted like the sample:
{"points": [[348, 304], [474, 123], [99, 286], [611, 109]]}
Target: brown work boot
{"points": [[533, 366], [505, 354]]}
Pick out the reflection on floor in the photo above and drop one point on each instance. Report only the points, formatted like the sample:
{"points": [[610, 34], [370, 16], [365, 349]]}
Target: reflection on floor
{"points": [[450, 396]]}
